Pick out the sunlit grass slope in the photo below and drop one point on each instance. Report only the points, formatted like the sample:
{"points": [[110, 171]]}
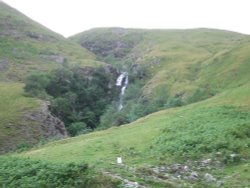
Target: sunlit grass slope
{"points": [[220, 124], [185, 61], [27, 46]]}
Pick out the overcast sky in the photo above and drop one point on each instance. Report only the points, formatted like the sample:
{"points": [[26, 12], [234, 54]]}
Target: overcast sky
{"points": [[69, 17]]}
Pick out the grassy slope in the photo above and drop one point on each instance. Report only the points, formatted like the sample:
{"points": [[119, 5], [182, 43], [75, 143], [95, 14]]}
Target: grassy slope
{"points": [[219, 124], [183, 57], [186, 60], [28, 46], [182, 61], [14, 106]]}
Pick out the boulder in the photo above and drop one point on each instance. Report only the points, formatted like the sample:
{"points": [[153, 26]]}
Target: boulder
{"points": [[209, 178]]}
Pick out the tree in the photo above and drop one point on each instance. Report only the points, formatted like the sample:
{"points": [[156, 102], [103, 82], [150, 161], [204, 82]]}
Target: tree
{"points": [[36, 83], [60, 81], [76, 94], [78, 128], [61, 108]]}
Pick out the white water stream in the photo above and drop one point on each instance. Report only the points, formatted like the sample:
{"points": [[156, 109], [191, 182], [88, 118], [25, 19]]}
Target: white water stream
{"points": [[122, 81]]}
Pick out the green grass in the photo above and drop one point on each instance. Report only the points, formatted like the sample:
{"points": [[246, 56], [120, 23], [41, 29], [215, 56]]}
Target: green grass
{"points": [[13, 108], [13, 103], [182, 61], [15, 172], [220, 124], [192, 59], [28, 46]]}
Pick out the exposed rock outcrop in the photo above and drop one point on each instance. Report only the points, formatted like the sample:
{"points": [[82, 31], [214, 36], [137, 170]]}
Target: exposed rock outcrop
{"points": [[50, 126], [115, 42], [40, 37], [53, 57], [35, 126], [4, 64]]}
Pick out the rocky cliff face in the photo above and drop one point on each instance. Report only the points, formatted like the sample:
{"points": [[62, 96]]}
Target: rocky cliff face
{"points": [[48, 125], [33, 127], [116, 42]]}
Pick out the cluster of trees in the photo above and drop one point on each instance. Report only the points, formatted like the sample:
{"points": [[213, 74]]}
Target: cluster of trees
{"points": [[78, 97], [88, 99]]}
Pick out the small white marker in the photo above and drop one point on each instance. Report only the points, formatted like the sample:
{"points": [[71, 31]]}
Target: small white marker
{"points": [[119, 160]]}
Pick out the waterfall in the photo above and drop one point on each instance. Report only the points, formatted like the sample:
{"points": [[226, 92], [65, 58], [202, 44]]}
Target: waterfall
{"points": [[120, 78], [122, 81]]}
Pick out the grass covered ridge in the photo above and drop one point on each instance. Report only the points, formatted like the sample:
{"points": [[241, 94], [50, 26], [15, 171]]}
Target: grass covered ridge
{"points": [[28, 46]]}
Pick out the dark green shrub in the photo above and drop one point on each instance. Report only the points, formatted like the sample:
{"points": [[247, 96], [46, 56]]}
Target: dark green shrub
{"points": [[36, 83], [193, 136], [78, 128], [174, 102], [23, 146], [24, 173], [201, 94]]}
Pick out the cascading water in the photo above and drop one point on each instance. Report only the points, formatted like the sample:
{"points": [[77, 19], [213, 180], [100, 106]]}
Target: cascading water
{"points": [[122, 81]]}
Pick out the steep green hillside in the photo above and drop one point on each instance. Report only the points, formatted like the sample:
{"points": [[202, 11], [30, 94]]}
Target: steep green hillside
{"points": [[188, 60], [27, 46], [24, 121], [180, 60], [169, 67], [13, 104], [216, 130]]}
